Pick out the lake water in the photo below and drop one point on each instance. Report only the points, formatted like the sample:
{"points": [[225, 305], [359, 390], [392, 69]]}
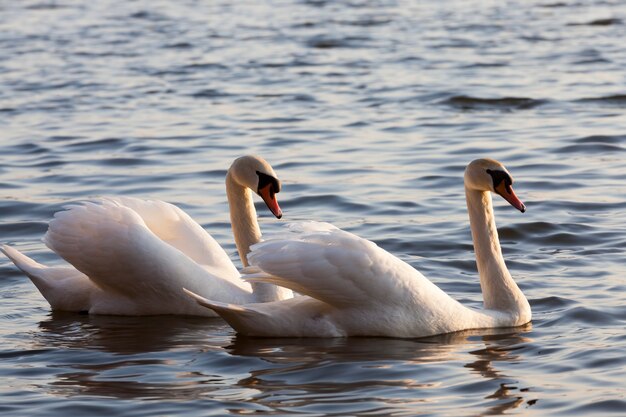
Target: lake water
{"points": [[369, 111]]}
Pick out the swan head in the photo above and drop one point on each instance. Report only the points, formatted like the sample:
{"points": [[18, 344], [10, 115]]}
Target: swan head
{"points": [[490, 175], [255, 173]]}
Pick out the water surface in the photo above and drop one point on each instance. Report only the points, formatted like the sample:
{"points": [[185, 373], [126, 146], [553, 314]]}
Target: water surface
{"points": [[369, 111]]}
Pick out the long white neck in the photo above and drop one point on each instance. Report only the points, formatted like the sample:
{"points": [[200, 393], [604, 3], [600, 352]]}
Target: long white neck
{"points": [[499, 290], [242, 217], [247, 232]]}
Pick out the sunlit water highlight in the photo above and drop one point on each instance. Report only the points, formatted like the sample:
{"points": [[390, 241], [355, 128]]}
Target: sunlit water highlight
{"points": [[369, 112]]}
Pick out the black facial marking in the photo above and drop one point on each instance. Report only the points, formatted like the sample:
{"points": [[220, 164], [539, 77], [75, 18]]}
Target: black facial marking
{"points": [[498, 177], [265, 179]]}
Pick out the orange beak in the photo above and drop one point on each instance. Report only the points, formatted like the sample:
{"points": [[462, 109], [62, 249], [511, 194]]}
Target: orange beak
{"points": [[506, 192], [269, 196]]}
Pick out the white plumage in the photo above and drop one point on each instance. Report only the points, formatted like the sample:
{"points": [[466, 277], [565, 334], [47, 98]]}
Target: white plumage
{"points": [[133, 256], [352, 287]]}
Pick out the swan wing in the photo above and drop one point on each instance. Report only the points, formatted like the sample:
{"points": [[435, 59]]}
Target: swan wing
{"points": [[339, 268], [112, 244], [178, 229]]}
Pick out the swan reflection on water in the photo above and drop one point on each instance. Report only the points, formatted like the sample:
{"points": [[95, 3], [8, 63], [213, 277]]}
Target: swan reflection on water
{"points": [[171, 358], [122, 335]]}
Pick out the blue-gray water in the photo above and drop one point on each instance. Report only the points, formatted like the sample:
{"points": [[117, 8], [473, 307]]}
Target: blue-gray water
{"points": [[369, 111]]}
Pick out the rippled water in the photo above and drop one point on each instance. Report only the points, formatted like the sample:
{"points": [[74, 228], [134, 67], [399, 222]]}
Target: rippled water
{"points": [[369, 111]]}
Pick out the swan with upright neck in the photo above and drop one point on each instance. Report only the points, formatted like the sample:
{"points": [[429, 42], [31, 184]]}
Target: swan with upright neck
{"points": [[133, 257], [352, 287]]}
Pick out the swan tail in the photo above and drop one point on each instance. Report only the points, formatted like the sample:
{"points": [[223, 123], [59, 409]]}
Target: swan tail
{"points": [[20, 260], [38, 273], [64, 288], [244, 319]]}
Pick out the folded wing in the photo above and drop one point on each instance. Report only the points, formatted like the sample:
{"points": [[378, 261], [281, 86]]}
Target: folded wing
{"points": [[141, 248], [339, 268], [178, 229]]}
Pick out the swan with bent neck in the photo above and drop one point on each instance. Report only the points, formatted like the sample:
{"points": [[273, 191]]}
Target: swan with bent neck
{"points": [[352, 287], [131, 256]]}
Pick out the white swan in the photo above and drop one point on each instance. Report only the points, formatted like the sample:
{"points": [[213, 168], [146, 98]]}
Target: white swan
{"points": [[355, 288], [133, 257]]}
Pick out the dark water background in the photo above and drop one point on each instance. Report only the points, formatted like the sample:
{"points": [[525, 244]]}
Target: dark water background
{"points": [[369, 111]]}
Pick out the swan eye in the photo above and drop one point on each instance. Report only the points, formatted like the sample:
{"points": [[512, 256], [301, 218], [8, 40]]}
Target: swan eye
{"points": [[498, 176], [265, 180]]}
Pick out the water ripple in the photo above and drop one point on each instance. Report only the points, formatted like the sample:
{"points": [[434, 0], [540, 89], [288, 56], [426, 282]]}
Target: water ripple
{"points": [[503, 104], [618, 100]]}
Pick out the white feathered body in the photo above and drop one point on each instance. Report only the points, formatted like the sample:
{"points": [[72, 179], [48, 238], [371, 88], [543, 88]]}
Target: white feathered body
{"points": [[132, 257], [351, 287]]}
